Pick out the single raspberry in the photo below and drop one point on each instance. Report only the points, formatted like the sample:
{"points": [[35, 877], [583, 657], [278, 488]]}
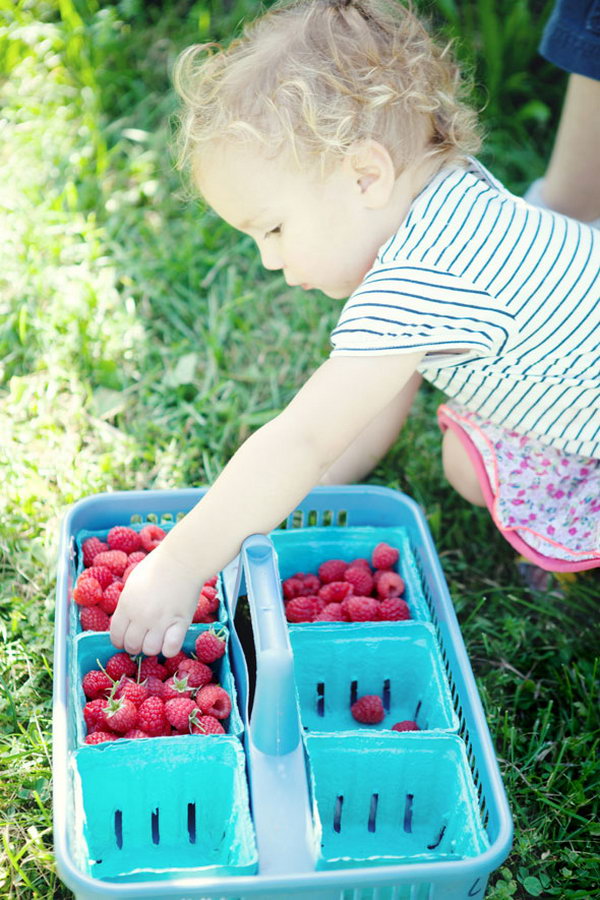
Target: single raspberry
{"points": [[87, 592], [92, 618], [210, 646], [384, 556], [393, 609], [212, 582], [207, 725], [115, 560], [91, 547], [311, 584], [151, 666], [98, 737], [179, 712], [301, 609], [362, 562], [331, 613], [346, 610], [292, 587], [93, 713], [212, 595], [406, 725], [360, 579], [137, 556], [128, 571], [96, 684], [203, 609], [135, 733], [332, 570], [151, 536], [120, 664], [176, 687], [198, 673], [102, 574], [120, 714], [172, 662], [155, 685], [368, 709], [133, 691], [151, 716], [214, 700], [390, 584], [362, 609], [123, 538], [335, 591], [110, 597]]}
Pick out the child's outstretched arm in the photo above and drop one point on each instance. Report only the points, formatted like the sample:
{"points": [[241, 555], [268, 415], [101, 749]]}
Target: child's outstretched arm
{"points": [[265, 479]]}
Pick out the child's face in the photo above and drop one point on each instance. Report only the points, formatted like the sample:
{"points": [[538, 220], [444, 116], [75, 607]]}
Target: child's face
{"points": [[320, 232]]}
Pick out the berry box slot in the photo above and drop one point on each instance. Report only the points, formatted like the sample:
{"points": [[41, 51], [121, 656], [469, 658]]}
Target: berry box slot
{"points": [[333, 668], [383, 800], [163, 809]]}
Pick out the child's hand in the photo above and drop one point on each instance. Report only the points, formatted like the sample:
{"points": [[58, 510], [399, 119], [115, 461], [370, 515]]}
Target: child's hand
{"points": [[156, 606]]}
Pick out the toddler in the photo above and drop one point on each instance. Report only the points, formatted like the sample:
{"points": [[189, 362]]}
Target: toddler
{"points": [[334, 134]]}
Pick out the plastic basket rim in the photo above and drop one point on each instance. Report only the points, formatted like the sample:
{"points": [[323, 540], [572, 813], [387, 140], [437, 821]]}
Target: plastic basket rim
{"points": [[439, 872]]}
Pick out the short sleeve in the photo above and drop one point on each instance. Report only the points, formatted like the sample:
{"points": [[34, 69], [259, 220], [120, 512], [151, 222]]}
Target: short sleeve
{"points": [[407, 309]]}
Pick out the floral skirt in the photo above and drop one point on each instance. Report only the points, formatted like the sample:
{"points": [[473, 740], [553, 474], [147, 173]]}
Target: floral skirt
{"points": [[544, 502]]}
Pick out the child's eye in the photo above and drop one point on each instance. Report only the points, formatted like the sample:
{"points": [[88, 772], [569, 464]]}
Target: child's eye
{"points": [[276, 230]]}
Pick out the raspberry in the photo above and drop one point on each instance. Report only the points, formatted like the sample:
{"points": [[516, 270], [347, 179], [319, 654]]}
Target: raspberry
{"points": [[120, 664], [198, 673], [151, 536], [393, 609], [137, 556], [91, 547], [115, 560], [384, 556], [110, 597], [133, 691], [87, 592], [203, 609], [135, 733], [102, 574], [210, 592], [362, 609], [335, 591], [98, 737], [151, 716], [154, 685], [92, 618], [172, 662], [311, 584], [345, 610], [179, 712], [151, 666], [96, 684], [406, 725], [301, 609], [360, 579], [176, 687], [368, 709], [93, 713], [123, 538], [120, 714], [214, 700], [207, 725], [389, 584], [210, 646], [362, 562], [212, 582], [292, 587], [332, 570], [331, 613]]}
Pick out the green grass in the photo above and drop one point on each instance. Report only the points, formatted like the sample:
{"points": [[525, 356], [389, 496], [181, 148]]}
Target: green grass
{"points": [[140, 343]]}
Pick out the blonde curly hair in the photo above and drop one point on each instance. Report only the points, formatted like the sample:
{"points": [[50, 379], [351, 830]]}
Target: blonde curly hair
{"points": [[313, 77]]}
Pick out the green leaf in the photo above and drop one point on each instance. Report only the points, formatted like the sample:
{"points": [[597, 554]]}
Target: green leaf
{"points": [[533, 886]]}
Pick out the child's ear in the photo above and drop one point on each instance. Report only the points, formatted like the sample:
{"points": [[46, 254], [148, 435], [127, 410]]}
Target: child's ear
{"points": [[371, 169]]}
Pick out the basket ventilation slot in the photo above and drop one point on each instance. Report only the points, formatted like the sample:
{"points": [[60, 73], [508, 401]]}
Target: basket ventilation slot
{"points": [[408, 813], [191, 822], [373, 813], [337, 813], [119, 828]]}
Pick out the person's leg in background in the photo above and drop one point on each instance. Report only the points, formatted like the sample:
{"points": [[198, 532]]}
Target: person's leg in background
{"points": [[571, 185]]}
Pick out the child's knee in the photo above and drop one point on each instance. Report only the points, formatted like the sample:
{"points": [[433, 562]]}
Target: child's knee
{"points": [[459, 469]]}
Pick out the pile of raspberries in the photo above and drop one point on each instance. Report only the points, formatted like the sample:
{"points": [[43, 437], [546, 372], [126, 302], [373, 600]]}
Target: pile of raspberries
{"points": [[139, 697], [368, 710], [107, 566], [356, 591]]}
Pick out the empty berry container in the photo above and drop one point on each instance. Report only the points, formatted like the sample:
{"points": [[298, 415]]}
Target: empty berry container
{"points": [[334, 666]]}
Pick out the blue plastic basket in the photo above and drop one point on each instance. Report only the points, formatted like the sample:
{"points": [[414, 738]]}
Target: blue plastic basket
{"points": [[289, 814]]}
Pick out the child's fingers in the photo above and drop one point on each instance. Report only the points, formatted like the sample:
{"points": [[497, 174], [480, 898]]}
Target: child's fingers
{"points": [[174, 637], [152, 643], [118, 627], [134, 638]]}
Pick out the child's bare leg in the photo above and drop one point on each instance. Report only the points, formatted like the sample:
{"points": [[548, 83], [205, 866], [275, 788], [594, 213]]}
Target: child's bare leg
{"points": [[572, 183], [459, 470], [372, 444]]}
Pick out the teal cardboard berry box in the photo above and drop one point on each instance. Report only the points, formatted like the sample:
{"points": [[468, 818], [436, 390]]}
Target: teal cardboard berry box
{"points": [[376, 814]]}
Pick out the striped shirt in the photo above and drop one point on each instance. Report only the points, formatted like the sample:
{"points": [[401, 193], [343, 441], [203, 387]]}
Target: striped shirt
{"points": [[504, 299]]}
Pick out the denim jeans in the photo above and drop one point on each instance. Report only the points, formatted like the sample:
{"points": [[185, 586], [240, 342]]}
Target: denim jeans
{"points": [[571, 39]]}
